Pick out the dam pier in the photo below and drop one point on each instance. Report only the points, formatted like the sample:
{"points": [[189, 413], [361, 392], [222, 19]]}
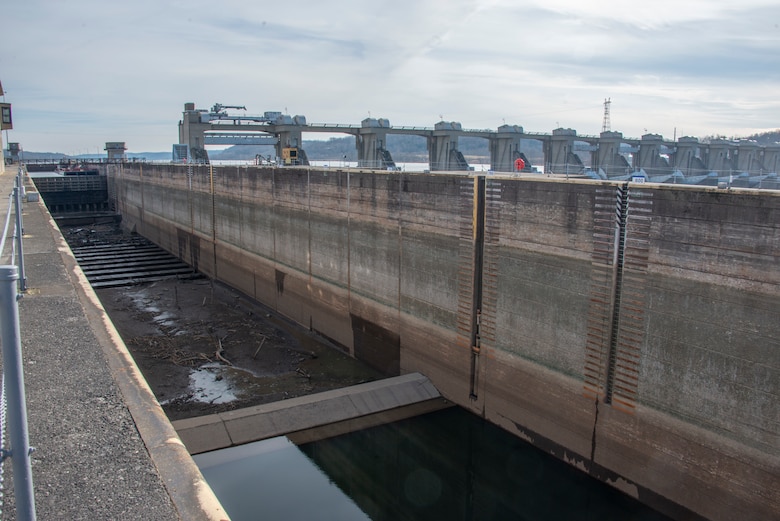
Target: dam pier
{"points": [[629, 329], [610, 155]]}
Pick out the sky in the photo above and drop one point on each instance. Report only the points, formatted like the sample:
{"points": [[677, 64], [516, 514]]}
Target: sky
{"points": [[79, 73]]}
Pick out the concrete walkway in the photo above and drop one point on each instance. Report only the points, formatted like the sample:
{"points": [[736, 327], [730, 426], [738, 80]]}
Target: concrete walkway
{"points": [[316, 416], [104, 449]]}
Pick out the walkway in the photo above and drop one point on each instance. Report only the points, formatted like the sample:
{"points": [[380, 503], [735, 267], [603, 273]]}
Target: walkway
{"points": [[315, 416], [104, 448]]}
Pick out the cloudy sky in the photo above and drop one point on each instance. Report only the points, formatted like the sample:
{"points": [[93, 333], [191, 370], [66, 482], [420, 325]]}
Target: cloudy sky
{"points": [[83, 72]]}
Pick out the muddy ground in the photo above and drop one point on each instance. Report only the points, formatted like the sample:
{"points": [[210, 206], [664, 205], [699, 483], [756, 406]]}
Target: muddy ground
{"points": [[204, 348]]}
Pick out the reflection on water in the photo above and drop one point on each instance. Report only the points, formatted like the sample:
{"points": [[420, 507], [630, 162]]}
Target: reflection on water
{"points": [[273, 480], [448, 465]]}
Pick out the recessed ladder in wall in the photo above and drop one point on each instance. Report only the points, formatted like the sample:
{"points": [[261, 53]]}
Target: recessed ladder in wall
{"points": [[478, 269], [615, 326]]}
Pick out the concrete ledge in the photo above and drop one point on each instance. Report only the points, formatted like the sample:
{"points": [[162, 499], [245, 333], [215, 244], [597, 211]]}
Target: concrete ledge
{"points": [[314, 416]]}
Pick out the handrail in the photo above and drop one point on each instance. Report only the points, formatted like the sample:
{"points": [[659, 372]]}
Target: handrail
{"points": [[13, 389], [17, 250], [7, 222], [20, 228], [12, 372]]}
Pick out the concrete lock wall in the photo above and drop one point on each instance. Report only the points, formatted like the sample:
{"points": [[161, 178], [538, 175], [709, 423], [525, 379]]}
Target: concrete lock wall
{"points": [[632, 330], [694, 401]]}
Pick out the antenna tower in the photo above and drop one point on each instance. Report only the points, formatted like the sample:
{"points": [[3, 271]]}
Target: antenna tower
{"points": [[606, 126]]}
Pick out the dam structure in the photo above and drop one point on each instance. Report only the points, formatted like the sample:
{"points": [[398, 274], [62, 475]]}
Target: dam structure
{"points": [[610, 155], [632, 330]]}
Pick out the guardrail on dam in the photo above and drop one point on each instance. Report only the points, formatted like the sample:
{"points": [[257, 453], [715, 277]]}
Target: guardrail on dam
{"points": [[632, 330]]}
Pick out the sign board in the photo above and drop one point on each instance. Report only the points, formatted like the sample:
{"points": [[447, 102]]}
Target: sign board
{"points": [[6, 122]]}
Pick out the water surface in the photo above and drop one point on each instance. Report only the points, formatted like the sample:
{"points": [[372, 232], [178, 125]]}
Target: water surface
{"points": [[449, 465]]}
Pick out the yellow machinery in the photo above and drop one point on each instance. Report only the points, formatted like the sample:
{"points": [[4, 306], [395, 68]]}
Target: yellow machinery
{"points": [[290, 156]]}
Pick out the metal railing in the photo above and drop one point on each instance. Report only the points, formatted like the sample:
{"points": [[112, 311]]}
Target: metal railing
{"points": [[13, 394], [17, 248]]}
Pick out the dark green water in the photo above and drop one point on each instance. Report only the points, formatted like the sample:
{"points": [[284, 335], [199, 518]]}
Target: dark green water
{"points": [[448, 465]]}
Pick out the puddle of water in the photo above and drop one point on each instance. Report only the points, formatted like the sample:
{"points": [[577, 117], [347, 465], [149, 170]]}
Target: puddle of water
{"points": [[210, 384], [143, 302], [165, 318], [215, 383]]}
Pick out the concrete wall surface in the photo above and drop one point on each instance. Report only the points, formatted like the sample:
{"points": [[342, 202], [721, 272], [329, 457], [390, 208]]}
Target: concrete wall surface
{"points": [[632, 330]]}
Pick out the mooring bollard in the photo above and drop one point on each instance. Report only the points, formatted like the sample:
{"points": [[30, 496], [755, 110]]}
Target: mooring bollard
{"points": [[13, 380]]}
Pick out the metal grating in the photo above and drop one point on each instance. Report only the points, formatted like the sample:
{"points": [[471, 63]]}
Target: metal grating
{"points": [[135, 261]]}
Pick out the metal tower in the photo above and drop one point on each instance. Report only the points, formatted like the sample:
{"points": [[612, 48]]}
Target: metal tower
{"points": [[606, 126]]}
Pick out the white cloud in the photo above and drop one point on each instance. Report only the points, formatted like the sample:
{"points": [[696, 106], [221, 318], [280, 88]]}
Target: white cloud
{"points": [[83, 72]]}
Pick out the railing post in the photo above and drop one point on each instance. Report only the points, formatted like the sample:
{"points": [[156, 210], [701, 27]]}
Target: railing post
{"points": [[20, 180], [19, 233], [13, 379]]}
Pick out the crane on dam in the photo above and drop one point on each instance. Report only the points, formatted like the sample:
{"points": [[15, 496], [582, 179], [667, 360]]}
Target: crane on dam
{"points": [[221, 109]]}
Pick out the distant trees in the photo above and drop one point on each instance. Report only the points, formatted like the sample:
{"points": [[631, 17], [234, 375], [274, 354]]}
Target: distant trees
{"points": [[764, 138], [767, 138]]}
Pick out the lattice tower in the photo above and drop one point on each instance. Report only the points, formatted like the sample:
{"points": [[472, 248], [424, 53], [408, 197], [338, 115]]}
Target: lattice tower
{"points": [[606, 126]]}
